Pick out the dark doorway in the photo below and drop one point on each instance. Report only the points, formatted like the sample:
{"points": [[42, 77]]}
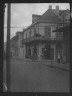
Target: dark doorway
{"points": [[47, 51], [35, 52], [52, 53], [43, 53]]}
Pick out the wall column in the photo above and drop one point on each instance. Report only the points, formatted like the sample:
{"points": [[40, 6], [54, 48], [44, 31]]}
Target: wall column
{"points": [[26, 49], [64, 53]]}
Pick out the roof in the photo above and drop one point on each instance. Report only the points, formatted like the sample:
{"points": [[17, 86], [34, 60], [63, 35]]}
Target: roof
{"points": [[36, 15], [19, 32], [30, 26], [61, 11], [64, 11], [14, 38], [51, 16], [63, 29]]}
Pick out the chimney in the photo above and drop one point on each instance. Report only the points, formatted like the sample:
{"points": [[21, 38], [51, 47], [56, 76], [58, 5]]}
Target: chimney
{"points": [[50, 6], [57, 9]]}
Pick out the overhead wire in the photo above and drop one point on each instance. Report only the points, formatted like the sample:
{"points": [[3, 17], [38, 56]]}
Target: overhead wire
{"points": [[22, 27]]}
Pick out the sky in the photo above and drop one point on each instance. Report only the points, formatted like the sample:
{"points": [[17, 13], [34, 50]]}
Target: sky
{"points": [[21, 15]]}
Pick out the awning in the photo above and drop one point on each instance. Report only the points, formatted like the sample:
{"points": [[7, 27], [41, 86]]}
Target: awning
{"points": [[63, 29]]}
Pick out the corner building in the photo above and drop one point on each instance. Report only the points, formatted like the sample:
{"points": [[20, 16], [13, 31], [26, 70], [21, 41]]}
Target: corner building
{"points": [[39, 38]]}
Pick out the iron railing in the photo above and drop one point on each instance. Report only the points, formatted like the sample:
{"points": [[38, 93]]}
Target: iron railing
{"points": [[43, 38]]}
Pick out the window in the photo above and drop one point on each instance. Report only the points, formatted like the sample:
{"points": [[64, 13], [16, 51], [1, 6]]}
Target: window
{"points": [[45, 30], [21, 43], [30, 33], [26, 35], [59, 33], [48, 31], [34, 30]]}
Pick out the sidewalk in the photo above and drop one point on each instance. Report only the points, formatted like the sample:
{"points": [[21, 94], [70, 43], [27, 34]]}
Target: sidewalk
{"points": [[65, 67], [54, 64]]}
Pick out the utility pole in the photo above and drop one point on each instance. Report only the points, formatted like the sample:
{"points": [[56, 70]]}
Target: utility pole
{"points": [[4, 86], [8, 48]]}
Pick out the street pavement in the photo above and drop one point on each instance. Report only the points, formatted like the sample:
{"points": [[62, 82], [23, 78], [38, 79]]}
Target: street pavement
{"points": [[29, 76]]}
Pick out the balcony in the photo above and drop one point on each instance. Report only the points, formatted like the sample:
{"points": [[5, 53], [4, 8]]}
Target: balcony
{"points": [[42, 38]]}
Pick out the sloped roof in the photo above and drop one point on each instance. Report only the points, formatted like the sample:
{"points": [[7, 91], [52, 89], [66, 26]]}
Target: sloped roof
{"points": [[63, 29], [57, 14], [64, 11], [36, 15], [13, 42], [15, 38], [50, 16], [31, 25]]}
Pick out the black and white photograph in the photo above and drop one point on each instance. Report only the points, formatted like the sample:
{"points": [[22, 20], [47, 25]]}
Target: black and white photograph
{"points": [[36, 54]]}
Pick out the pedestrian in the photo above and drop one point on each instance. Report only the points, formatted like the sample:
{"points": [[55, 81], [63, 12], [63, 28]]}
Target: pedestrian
{"points": [[58, 58]]}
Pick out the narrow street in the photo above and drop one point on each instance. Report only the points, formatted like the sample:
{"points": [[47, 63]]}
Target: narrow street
{"points": [[35, 77]]}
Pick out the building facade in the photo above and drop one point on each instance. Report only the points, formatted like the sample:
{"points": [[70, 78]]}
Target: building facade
{"points": [[66, 42], [16, 48], [39, 40]]}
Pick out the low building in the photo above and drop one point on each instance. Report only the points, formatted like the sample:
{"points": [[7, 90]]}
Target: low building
{"points": [[39, 40], [16, 45]]}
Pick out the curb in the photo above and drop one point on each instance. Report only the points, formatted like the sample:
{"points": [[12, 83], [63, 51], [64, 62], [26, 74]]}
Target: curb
{"points": [[44, 64], [57, 68]]}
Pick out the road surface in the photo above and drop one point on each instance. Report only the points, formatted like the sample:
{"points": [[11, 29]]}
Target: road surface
{"points": [[36, 77]]}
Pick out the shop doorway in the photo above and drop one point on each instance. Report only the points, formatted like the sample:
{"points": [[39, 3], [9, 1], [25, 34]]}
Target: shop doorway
{"points": [[47, 51], [59, 50]]}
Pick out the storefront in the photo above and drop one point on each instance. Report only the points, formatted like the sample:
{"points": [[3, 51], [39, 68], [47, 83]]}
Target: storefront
{"points": [[66, 41]]}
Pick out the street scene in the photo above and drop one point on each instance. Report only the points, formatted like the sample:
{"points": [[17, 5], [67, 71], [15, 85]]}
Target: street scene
{"points": [[36, 49]]}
